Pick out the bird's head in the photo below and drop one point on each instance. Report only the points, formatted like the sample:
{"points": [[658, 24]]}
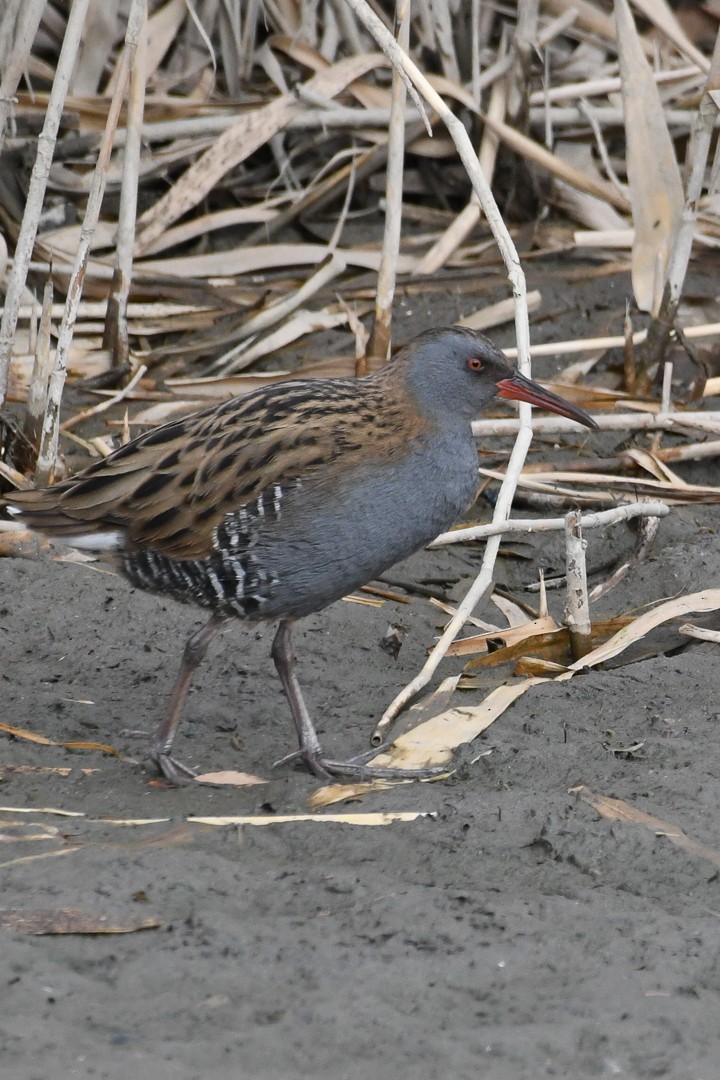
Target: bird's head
{"points": [[458, 372]]}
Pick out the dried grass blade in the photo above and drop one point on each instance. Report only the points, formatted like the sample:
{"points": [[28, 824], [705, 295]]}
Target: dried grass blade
{"points": [[36, 191], [708, 600], [656, 190], [433, 742], [619, 810]]}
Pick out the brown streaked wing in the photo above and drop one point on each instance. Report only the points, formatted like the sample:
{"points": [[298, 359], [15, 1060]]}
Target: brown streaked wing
{"points": [[171, 487]]}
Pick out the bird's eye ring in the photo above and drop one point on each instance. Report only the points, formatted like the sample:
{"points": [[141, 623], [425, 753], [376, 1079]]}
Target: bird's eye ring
{"points": [[475, 364]]}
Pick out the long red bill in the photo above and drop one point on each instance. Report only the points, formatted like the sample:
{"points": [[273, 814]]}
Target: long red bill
{"points": [[517, 387]]}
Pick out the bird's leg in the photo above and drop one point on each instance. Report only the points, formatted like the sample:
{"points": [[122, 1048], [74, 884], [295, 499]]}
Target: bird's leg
{"points": [[284, 661], [161, 746], [310, 751]]}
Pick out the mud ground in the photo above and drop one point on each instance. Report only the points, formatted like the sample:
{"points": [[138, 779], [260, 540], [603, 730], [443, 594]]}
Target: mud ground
{"points": [[513, 934]]}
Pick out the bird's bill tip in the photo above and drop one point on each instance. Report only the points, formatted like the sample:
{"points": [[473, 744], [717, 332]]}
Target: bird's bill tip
{"points": [[517, 388]]}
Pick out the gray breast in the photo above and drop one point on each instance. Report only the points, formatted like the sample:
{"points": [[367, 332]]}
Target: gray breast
{"points": [[330, 539]]}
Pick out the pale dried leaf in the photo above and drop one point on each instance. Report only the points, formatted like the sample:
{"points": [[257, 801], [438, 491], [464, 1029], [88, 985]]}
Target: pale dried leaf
{"points": [[619, 810], [433, 742], [478, 643], [513, 613], [231, 778], [708, 600], [656, 191]]}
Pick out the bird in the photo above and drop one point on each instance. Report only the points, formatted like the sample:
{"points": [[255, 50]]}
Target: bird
{"points": [[270, 506]]}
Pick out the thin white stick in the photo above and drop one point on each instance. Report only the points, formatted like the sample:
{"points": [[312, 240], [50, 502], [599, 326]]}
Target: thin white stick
{"points": [[640, 421], [699, 632], [478, 591], [595, 87], [594, 520], [578, 345], [36, 189], [607, 115]]}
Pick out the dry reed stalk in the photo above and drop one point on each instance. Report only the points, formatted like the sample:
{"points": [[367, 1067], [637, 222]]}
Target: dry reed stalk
{"points": [[577, 605], [40, 379], [379, 342], [641, 421], [610, 85], [115, 337], [580, 345], [36, 190], [18, 27], [51, 424]]}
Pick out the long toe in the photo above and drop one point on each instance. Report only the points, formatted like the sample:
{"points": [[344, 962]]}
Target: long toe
{"points": [[173, 770], [358, 770]]}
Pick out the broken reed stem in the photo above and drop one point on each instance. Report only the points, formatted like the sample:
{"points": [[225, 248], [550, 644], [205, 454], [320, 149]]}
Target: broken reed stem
{"points": [[379, 343], [36, 190], [595, 520], [40, 379], [699, 632], [577, 605], [666, 399]]}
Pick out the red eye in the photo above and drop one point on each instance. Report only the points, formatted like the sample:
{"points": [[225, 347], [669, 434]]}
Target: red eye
{"points": [[475, 364]]}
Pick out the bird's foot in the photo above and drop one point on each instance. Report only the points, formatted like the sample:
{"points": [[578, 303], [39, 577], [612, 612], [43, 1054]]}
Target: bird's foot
{"points": [[357, 768], [173, 770]]}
